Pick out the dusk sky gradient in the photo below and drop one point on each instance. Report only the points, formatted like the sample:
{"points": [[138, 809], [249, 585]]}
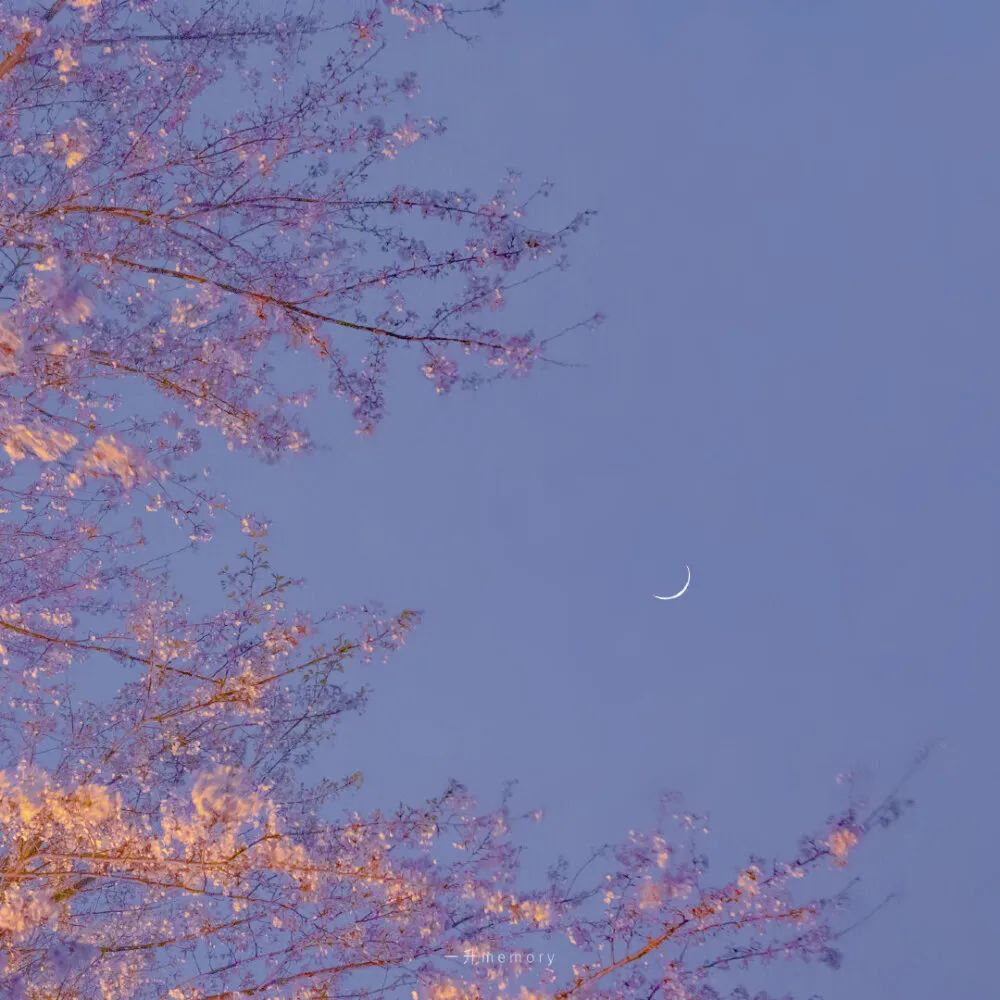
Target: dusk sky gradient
{"points": [[794, 393]]}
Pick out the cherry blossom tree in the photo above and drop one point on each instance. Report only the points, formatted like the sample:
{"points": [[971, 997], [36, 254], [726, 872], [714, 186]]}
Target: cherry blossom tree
{"points": [[189, 191]]}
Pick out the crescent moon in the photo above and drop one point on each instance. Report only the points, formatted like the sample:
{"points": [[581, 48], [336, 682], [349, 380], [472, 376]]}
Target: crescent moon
{"points": [[673, 597]]}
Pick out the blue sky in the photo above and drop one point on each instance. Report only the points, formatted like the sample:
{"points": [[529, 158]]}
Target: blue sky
{"points": [[794, 394]]}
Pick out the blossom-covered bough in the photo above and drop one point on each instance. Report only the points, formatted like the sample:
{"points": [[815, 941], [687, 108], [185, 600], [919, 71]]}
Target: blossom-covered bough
{"points": [[188, 190]]}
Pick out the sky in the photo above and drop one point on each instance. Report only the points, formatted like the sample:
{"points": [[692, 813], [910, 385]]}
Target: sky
{"points": [[793, 394]]}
